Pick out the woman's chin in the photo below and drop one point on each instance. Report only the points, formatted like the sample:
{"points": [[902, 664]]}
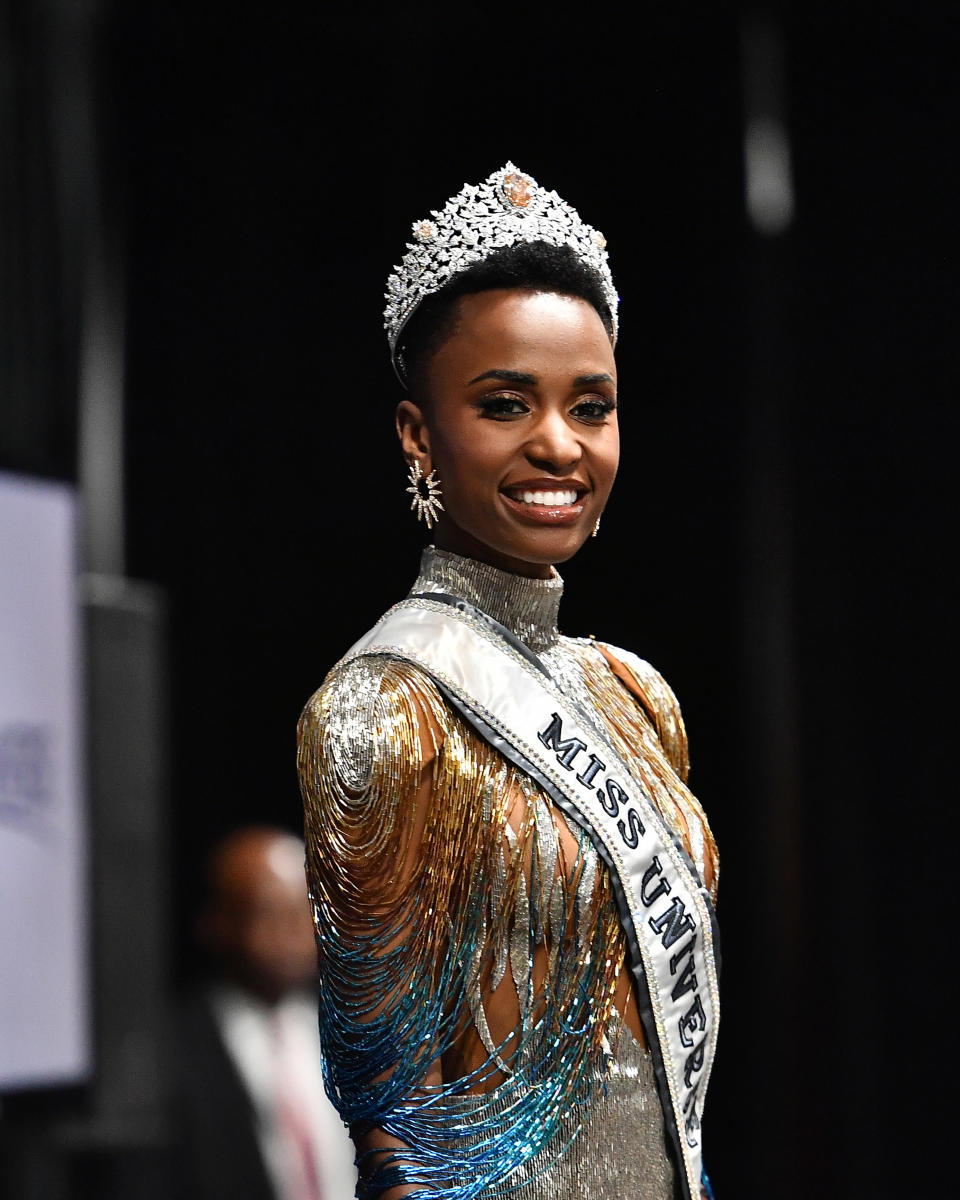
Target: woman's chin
{"points": [[528, 550]]}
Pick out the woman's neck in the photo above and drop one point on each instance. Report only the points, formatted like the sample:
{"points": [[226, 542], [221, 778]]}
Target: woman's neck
{"points": [[528, 607]]}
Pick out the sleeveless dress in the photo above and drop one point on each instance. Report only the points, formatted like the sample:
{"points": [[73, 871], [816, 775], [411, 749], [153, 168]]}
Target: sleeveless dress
{"points": [[472, 978]]}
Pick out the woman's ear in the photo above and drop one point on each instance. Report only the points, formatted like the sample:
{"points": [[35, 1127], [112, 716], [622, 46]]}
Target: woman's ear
{"points": [[413, 434]]}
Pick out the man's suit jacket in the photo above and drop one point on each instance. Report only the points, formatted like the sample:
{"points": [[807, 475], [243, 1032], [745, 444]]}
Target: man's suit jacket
{"points": [[217, 1154]]}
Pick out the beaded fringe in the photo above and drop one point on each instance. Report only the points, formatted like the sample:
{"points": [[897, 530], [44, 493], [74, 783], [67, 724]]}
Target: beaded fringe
{"points": [[462, 924]]}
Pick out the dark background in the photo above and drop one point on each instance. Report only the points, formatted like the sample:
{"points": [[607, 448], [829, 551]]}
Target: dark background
{"points": [[778, 540]]}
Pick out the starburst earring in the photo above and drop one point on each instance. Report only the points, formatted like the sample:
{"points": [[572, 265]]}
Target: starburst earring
{"points": [[426, 493], [596, 528]]}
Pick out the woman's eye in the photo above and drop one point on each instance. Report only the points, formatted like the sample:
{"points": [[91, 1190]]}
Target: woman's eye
{"points": [[597, 408], [502, 406]]}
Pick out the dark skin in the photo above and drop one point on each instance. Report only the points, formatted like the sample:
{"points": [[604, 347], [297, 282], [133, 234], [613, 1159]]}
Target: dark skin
{"points": [[257, 924], [522, 392]]}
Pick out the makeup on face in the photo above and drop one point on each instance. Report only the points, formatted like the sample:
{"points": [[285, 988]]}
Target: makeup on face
{"points": [[522, 428]]}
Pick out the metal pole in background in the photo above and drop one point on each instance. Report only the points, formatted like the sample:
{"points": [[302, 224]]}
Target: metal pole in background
{"points": [[126, 653]]}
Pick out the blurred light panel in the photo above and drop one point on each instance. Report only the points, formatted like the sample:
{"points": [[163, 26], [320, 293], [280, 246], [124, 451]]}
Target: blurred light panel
{"points": [[766, 140], [769, 178], [44, 986]]}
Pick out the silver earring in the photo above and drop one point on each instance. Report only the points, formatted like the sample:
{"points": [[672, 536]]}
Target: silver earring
{"points": [[426, 493], [596, 528]]}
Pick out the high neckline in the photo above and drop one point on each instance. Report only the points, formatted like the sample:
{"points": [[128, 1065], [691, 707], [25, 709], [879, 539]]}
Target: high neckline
{"points": [[527, 607]]}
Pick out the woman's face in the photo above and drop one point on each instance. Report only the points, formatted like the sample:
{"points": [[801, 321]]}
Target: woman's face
{"points": [[520, 423]]}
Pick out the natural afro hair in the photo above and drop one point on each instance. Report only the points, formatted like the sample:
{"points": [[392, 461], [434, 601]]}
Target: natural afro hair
{"points": [[526, 266]]}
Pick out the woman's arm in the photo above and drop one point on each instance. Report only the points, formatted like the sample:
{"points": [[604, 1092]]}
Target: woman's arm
{"points": [[367, 746]]}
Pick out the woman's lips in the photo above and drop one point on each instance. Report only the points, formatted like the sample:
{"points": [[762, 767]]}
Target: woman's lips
{"points": [[556, 506]]}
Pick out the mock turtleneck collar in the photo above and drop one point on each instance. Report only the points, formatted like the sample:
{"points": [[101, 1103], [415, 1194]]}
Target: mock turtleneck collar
{"points": [[527, 607]]}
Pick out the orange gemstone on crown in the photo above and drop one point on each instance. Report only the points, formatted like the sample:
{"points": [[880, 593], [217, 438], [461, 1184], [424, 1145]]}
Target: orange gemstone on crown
{"points": [[517, 189]]}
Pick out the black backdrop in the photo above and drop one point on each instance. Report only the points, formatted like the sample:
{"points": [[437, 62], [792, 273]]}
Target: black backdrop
{"points": [[777, 543], [273, 187], [273, 161]]}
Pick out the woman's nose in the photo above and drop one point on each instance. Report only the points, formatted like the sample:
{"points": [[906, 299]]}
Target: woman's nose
{"points": [[553, 443]]}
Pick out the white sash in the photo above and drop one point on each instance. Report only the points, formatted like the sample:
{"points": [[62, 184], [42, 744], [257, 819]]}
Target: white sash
{"points": [[505, 693]]}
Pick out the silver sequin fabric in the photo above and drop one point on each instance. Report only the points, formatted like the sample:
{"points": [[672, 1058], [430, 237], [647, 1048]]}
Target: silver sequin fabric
{"points": [[619, 1152], [616, 1151], [527, 607]]}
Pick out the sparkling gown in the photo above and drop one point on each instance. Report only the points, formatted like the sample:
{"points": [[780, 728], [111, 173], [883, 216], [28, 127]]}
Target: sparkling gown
{"points": [[472, 961]]}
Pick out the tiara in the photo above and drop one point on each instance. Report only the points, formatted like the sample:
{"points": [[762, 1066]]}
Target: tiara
{"points": [[508, 208]]}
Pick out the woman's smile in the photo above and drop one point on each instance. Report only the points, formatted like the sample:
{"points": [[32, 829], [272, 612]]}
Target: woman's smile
{"points": [[546, 501]]}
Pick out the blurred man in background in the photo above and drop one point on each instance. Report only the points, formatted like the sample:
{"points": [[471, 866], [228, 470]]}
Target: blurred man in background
{"points": [[254, 1120]]}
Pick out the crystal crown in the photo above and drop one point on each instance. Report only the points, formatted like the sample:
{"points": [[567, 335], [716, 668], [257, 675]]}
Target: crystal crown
{"points": [[509, 207]]}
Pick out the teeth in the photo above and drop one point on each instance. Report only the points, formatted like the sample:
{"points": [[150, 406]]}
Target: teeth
{"points": [[547, 499]]}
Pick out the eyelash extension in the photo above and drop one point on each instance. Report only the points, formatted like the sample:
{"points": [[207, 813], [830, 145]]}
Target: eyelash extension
{"points": [[598, 407], [499, 405], [603, 406]]}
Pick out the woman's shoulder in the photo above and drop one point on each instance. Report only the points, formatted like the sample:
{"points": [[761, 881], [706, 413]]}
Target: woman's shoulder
{"points": [[655, 695], [373, 705], [357, 679]]}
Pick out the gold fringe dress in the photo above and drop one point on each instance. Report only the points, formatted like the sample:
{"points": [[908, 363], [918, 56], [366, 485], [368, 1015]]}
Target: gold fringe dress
{"points": [[473, 996]]}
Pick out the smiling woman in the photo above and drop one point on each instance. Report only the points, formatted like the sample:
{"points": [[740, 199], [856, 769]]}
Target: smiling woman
{"points": [[512, 883]]}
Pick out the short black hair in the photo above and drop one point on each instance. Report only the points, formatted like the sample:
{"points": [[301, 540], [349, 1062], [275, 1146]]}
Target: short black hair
{"points": [[528, 266]]}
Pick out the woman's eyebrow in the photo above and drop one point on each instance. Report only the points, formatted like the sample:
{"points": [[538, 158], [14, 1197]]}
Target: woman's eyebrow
{"points": [[589, 380], [507, 376]]}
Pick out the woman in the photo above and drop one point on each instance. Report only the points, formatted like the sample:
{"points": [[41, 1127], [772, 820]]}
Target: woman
{"points": [[511, 881]]}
